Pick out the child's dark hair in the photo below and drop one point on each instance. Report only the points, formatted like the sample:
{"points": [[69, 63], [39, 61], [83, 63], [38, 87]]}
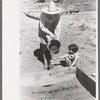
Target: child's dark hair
{"points": [[73, 47]]}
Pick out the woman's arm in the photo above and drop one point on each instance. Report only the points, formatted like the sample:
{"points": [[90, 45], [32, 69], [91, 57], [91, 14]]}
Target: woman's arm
{"points": [[44, 29], [58, 30], [32, 16]]}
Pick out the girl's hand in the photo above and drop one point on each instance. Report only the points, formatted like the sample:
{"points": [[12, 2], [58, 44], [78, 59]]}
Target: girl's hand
{"points": [[58, 57], [69, 68], [54, 58]]}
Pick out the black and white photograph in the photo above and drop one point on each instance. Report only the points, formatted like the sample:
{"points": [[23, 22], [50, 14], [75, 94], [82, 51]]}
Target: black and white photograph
{"points": [[58, 49]]}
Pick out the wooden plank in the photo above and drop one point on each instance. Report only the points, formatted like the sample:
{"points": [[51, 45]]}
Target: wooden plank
{"points": [[87, 82]]}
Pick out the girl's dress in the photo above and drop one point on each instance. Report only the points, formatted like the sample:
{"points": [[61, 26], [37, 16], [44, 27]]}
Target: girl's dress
{"points": [[69, 58]]}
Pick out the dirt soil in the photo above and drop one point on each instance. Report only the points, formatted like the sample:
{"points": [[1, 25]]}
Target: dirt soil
{"points": [[78, 28]]}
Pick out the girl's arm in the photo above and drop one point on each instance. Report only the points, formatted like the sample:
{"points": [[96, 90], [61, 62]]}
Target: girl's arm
{"points": [[73, 62], [32, 16], [76, 58], [62, 56]]}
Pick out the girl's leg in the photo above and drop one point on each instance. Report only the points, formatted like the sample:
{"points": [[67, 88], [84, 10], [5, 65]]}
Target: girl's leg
{"points": [[68, 62]]}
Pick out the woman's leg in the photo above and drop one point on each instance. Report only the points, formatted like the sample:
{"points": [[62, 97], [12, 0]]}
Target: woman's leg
{"points": [[43, 49], [48, 58]]}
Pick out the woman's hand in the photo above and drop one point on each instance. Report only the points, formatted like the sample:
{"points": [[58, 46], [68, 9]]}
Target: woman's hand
{"points": [[53, 36], [26, 14]]}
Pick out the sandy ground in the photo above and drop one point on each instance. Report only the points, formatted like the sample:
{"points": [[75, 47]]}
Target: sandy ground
{"points": [[79, 28]]}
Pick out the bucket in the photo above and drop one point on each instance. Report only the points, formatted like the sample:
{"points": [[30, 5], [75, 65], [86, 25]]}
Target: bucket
{"points": [[54, 46]]}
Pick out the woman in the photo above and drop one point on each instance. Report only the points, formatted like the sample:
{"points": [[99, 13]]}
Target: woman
{"points": [[49, 29]]}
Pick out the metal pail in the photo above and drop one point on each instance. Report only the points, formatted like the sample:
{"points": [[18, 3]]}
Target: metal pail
{"points": [[54, 46]]}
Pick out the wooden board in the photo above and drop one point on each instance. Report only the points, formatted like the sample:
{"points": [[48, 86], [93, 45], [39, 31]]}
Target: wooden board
{"points": [[87, 81]]}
